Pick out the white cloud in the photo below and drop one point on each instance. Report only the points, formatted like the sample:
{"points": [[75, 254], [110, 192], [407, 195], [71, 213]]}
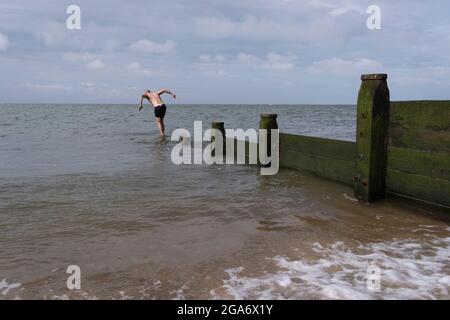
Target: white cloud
{"points": [[338, 7], [272, 61], [215, 64], [423, 76], [79, 57], [212, 65], [92, 61], [340, 66], [136, 68], [4, 42], [99, 90], [206, 58], [111, 45], [276, 61], [52, 33], [218, 28], [212, 38], [214, 73], [107, 91], [247, 59], [149, 46], [95, 64], [87, 84], [309, 30], [38, 86]]}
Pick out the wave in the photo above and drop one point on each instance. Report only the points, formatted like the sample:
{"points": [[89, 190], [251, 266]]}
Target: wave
{"points": [[408, 270]]}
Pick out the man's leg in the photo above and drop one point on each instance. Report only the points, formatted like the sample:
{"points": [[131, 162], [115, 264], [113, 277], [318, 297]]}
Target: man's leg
{"points": [[163, 126], [160, 123]]}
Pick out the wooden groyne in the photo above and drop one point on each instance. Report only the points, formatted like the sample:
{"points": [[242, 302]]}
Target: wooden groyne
{"points": [[419, 150], [401, 148]]}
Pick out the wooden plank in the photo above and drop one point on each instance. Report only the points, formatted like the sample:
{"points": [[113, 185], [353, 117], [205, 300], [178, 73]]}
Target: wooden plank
{"points": [[426, 163], [338, 170], [423, 125], [335, 149], [421, 187]]}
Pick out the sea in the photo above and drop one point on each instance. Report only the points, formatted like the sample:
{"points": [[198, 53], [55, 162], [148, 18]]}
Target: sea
{"points": [[94, 186]]}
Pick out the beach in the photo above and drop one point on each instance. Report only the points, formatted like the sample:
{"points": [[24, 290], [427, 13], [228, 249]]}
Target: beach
{"points": [[94, 186]]}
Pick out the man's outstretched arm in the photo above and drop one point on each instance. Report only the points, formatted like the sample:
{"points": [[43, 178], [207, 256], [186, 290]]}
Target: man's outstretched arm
{"points": [[142, 99], [160, 92]]}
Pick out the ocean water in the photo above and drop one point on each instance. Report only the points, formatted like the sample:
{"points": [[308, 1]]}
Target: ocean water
{"points": [[94, 186]]}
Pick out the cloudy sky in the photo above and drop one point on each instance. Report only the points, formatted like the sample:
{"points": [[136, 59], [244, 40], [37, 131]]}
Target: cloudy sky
{"points": [[233, 51]]}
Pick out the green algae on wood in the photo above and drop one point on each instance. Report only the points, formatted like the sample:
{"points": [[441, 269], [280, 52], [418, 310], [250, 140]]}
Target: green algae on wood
{"points": [[268, 121], [330, 168], [372, 138], [426, 163], [335, 149], [422, 125], [327, 158], [221, 127], [432, 190]]}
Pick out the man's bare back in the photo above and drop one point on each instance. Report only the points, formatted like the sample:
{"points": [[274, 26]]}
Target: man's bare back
{"points": [[155, 97], [159, 107]]}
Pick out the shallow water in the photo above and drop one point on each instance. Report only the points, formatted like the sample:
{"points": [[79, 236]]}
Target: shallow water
{"points": [[94, 186]]}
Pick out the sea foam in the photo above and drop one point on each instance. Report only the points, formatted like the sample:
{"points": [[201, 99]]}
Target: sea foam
{"points": [[5, 287], [409, 270]]}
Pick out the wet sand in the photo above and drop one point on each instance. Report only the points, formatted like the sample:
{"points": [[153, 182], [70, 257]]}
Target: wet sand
{"points": [[140, 227]]}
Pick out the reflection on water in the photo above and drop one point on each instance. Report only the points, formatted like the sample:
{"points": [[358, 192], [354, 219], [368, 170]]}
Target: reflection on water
{"points": [[94, 186]]}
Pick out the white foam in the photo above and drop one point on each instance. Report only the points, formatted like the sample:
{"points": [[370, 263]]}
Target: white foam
{"points": [[409, 270], [60, 297], [179, 294], [5, 287], [346, 196], [124, 296]]}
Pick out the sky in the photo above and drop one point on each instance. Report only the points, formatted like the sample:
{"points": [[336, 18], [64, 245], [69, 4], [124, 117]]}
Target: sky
{"points": [[233, 51]]}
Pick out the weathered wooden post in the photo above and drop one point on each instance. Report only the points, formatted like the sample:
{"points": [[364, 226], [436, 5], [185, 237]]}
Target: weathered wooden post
{"points": [[221, 127], [372, 138], [268, 121]]}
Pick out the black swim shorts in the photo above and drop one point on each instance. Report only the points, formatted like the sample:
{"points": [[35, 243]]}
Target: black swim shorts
{"points": [[160, 111]]}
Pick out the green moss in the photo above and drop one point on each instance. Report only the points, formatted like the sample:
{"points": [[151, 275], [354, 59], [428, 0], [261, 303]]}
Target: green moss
{"points": [[334, 149], [426, 163], [371, 141], [418, 186], [334, 169], [422, 125]]}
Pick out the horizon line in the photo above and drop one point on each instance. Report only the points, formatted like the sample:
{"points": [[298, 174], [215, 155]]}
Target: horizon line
{"points": [[211, 104]]}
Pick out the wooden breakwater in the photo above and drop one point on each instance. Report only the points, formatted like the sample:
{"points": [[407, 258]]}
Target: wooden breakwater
{"points": [[332, 159], [418, 163], [401, 148]]}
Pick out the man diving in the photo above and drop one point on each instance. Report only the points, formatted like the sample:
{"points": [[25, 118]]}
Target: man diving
{"points": [[158, 105]]}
